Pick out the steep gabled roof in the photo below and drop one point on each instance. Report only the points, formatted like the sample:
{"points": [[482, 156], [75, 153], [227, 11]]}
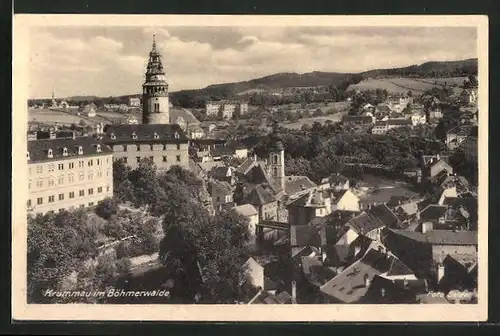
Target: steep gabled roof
{"points": [[296, 184], [441, 237], [260, 195], [246, 210]]}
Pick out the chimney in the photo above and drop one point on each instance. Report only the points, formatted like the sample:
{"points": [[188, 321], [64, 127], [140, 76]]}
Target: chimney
{"points": [[294, 292], [440, 272], [426, 227], [367, 281]]}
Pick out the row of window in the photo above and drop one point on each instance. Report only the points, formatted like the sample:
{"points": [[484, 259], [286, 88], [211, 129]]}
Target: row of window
{"points": [[81, 193], [71, 179], [81, 206], [71, 165], [138, 158], [138, 147]]}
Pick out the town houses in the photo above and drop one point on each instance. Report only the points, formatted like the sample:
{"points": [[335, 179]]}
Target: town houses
{"points": [[355, 232]]}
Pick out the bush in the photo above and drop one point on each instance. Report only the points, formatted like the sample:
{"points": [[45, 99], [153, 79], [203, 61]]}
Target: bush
{"points": [[106, 208]]}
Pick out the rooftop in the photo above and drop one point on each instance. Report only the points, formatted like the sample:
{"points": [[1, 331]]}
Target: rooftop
{"points": [[246, 210], [54, 149], [144, 132], [441, 237]]}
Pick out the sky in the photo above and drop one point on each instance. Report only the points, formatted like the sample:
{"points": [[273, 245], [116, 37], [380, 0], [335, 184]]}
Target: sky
{"points": [[110, 61]]}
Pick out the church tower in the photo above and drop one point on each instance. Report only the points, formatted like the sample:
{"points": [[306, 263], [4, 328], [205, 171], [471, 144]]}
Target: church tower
{"points": [[277, 163], [155, 91]]}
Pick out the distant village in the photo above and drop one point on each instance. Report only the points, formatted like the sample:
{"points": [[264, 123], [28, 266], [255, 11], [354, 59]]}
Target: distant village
{"points": [[336, 240]]}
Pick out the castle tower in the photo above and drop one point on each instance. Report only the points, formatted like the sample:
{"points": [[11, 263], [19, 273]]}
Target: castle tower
{"points": [[277, 163], [155, 103]]}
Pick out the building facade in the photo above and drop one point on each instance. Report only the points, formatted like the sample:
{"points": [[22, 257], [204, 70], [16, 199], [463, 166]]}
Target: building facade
{"points": [[155, 109], [227, 107], [470, 148], [134, 102], [68, 173], [167, 145]]}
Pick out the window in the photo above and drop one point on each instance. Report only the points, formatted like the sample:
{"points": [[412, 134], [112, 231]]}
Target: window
{"points": [[91, 203], [113, 136], [107, 160], [65, 151], [82, 176], [91, 163], [81, 193], [176, 135], [72, 194], [82, 205], [178, 146], [71, 178], [99, 174], [51, 199], [39, 200], [61, 210], [218, 198], [29, 202], [80, 164], [165, 147], [164, 158], [138, 158], [134, 136], [91, 191], [60, 166], [275, 172], [51, 183], [125, 160], [138, 148], [50, 154], [178, 158], [99, 189], [107, 188], [39, 169], [29, 170], [152, 158], [71, 165], [61, 180], [80, 150], [61, 197], [29, 185], [91, 175], [98, 148], [156, 135], [51, 167], [98, 162], [151, 147], [41, 183], [275, 159]]}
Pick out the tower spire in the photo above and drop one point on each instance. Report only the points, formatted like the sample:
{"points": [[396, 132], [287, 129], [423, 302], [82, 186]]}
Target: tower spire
{"points": [[154, 42]]}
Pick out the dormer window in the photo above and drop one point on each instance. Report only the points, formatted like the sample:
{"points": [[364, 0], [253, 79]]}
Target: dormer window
{"points": [[98, 148], [134, 136], [176, 135], [113, 136], [50, 155], [65, 151], [156, 136], [80, 150], [28, 155]]}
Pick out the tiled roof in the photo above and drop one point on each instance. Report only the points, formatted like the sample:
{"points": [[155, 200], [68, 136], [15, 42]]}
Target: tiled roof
{"points": [[218, 150], [144, 132], [296, 184], [377, 217], [441, 237], [219, 187], [245, 167], [39, 149], [246, 210], [261, 195], [362, 119], [219, 172], [462, 130], [384, 214], [399, 122], [433, 212], [349, 286], [307, 235]]}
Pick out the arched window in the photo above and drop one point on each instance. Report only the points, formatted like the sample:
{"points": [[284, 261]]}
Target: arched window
{"points": [[156, 136], [80, 150], [134, 136], [275, 159], [275, 172], [65, 151], [49, 153], [113, 136], [98, 148]]}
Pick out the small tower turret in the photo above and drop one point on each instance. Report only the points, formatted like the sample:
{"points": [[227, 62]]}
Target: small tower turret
{"points": [[277, 162]]}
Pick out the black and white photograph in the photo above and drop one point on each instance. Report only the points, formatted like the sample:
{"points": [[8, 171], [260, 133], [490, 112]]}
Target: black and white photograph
{"points": [[240, 163]]}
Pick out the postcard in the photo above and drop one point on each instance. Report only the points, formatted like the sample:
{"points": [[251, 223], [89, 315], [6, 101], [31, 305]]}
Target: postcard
{"points": [[250, 168]]}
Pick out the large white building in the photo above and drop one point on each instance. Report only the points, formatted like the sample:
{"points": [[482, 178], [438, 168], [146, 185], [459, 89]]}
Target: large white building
{"points": [[226, 107], [68, 173]]}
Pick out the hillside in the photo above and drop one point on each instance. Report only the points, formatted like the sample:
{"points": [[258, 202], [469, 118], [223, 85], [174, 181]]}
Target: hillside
{"points": [[197, 97]]}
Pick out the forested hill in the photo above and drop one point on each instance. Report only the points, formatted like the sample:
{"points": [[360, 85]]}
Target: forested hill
{"points": [[312, 79]]}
